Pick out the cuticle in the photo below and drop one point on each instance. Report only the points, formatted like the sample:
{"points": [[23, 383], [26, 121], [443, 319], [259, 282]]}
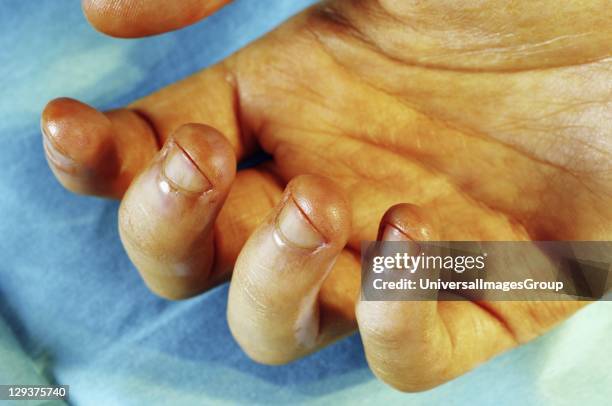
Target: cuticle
{"points": [[193, 162], [53, 145], [66, 167], [290, 198], [409, 237], [173, 186]]}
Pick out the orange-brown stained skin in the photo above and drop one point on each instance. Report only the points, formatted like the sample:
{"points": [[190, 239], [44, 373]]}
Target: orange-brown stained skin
{"points": [[95, 153], [166, 222], [138, 18], [274, 308], [493, 119]]}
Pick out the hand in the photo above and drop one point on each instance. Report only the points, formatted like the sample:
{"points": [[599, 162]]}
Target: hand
{"points": [[491, 122]]}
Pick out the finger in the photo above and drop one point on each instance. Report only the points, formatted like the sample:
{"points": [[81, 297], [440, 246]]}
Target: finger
{"points": [[94, 153], [253, 194], [104, 152], [139, 18], [273, 307], [167, 216], [416, 345], [208, 97]]}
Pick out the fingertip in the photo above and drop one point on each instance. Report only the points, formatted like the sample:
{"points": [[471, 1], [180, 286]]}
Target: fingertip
{"points": [[76, 135], [210, 151], [95, 153], [324, 204], [110, 18], [412, 221], [132, 19]]}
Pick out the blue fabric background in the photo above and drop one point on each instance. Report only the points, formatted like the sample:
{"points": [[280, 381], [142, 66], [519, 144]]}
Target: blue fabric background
{"points": [[74, 311]]}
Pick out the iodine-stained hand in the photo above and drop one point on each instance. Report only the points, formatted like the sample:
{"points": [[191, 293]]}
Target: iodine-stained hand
{"points": [[489, 125]]}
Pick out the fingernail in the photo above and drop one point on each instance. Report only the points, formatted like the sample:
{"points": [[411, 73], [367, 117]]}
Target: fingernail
{"points": [[393, 234], [180, 170], [295, 228], [58, 158]]}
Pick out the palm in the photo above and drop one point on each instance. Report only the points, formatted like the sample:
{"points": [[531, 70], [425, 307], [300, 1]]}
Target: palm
{"points": [[494, 123], [495, 155], [501, 153], [497, 146], [497, 141]]}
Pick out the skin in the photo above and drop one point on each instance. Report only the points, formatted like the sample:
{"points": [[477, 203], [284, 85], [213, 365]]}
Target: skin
{"points": [[488, 122], [139, 18]]}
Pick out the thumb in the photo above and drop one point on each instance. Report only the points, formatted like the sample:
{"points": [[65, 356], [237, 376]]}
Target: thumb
{"points": [[140, 18]]}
